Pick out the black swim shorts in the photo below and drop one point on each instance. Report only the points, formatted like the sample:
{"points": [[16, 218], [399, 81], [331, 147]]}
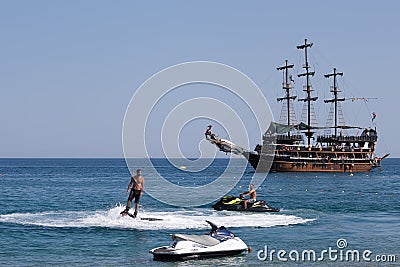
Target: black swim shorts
{"points": [[134, 194]]}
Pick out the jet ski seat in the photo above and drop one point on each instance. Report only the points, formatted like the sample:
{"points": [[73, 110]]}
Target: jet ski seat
{"points": [[205, 240]]}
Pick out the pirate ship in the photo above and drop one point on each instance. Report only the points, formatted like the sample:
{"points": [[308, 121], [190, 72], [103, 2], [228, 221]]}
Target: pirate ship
{"points": [[300, 147]]}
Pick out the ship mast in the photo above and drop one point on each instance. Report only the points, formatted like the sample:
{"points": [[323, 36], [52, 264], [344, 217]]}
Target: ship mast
{"points": [[335, 92], [308, 88], [286, 86]]}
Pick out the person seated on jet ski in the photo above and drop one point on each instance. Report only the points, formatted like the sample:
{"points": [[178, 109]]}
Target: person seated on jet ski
{"points": [[253, 196]]}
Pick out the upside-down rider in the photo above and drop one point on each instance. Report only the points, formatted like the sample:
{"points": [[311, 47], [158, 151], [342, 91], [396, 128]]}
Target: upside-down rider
{"points": [[208, 133], [137, 183], [253, 196]]}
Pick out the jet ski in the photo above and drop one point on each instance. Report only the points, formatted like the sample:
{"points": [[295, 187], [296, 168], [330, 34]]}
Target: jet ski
{"points": [[232, 203], [219, 242]]}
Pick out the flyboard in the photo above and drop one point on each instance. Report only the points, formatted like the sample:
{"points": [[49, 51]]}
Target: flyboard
{"points": [[124, 213]]}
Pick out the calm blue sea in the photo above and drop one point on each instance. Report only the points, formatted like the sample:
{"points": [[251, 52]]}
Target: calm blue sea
{"points": [[65, 212]]}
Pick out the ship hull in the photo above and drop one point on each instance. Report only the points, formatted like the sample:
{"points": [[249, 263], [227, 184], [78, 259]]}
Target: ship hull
{"points": [[280, 165]]}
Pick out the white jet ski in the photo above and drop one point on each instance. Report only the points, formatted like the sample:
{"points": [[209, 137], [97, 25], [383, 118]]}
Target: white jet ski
{"points": [[219, 242]]}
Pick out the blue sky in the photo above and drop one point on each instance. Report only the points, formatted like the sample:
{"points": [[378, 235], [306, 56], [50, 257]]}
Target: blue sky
{"points": [[68, 69]]}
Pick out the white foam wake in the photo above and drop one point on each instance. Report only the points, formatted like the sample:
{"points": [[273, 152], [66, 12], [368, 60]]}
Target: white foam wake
{"points": [[111, 218]]}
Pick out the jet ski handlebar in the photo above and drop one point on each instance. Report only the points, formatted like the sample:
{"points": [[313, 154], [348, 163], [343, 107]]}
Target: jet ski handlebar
{"points": [[213, 226]]}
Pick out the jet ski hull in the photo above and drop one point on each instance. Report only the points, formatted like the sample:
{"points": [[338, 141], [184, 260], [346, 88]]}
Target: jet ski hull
{"points": [[236, 204], [219, 242], [241, 208], [162, 254]]}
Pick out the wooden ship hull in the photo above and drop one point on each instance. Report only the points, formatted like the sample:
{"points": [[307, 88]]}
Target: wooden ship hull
{"points": [[308, 165]]}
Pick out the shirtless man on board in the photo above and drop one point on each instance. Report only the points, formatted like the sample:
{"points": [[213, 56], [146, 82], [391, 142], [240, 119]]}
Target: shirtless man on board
{"points": [[137, 184]]}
